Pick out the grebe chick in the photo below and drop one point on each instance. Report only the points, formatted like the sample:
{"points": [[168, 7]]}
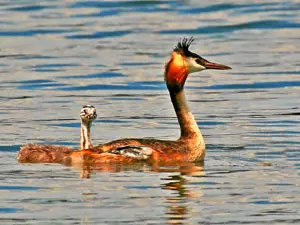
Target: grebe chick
{"points": [[87, 114], [39, 153], [190, 146]]}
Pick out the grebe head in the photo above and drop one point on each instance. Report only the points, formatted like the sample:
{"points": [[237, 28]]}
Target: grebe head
{"points": [[88, 113], [184, 62]]}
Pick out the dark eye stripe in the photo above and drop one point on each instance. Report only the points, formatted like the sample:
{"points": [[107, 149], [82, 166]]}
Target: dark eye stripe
{"points": [[201, 61]]}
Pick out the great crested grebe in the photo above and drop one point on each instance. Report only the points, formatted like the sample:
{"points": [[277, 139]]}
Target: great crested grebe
{"points": [[190, 146], [38, 153]]}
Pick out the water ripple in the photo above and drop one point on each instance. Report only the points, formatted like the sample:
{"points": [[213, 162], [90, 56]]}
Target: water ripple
{"points": [[95, 75], [9, 210], [128, 86], [99, 34], [32, 32], [114, 4], [256, 85], [54, 60], [19, 188], [223, 7], [9, 148], [39, 84], [102, 13], [28, 8], [261, 24]]}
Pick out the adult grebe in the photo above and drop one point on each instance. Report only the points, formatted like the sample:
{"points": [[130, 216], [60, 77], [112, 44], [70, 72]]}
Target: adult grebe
{"points": [[38, 153], [190, 146]]}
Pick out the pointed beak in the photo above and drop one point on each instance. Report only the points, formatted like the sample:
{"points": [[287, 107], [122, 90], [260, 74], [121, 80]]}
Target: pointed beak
{"points": [[212, 65]]}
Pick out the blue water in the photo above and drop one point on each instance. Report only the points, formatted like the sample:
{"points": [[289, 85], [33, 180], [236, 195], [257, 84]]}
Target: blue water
{"points": [[57, 56]]}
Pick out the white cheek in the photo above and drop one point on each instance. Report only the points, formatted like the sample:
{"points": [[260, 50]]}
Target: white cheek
{"points": [[193, 66]]}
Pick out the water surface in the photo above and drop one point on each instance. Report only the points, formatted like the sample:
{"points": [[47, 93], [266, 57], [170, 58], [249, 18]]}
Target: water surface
{"points": [[57, 56]]}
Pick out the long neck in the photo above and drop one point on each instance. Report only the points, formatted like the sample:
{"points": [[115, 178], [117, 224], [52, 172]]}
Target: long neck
{"points": [[85, 135], [188, 126], [176, 73]]}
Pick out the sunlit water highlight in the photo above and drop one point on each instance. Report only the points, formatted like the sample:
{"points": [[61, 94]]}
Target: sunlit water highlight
{"points": [[56, 56]]}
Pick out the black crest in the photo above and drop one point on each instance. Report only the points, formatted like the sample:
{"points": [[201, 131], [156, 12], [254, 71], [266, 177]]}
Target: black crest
{"points": [[183, 46]]}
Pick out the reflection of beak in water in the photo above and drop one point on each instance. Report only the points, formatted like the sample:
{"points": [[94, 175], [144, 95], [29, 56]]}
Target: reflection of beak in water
{"points": [[178, 210]]}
